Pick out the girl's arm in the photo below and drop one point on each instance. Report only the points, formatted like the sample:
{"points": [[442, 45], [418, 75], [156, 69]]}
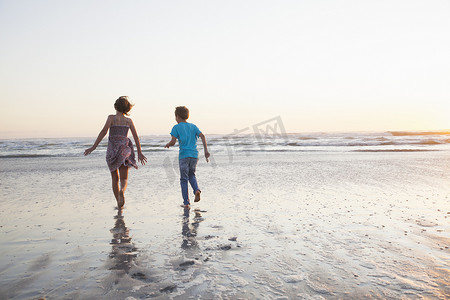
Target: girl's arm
{"points": [[101, 135], [141, 157], [205, 146]]}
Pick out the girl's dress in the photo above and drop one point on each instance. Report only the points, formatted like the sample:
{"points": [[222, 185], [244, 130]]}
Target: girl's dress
{"points": [[120, 149]]}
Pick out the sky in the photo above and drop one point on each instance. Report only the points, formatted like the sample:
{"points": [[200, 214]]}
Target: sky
{"points": [[319, 65]]}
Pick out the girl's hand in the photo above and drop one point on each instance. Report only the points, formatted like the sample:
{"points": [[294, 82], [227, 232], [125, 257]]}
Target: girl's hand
{"points": [[142, 158], [88, 150]]}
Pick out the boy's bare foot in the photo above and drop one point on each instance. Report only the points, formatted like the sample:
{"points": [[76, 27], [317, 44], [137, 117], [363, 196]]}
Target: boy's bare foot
{"points": [[121, 201], [197, 196]]}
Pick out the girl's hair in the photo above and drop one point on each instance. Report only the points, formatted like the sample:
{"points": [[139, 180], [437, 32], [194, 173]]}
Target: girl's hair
{"points": [[182, 112], [123, 105]]}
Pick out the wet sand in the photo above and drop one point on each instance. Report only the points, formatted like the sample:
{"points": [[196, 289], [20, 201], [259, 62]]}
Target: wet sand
{"points": [[269, 226]]}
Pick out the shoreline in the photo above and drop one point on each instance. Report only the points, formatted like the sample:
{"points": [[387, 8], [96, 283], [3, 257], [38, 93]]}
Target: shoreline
{"points": [[338, 225]]}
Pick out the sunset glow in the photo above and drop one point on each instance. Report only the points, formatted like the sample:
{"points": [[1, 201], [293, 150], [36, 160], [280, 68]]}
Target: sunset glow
{"points": [[320, 65]]}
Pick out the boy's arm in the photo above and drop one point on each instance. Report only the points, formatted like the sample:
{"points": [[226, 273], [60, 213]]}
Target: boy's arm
{"points": [[171, 143], [205, 146]]}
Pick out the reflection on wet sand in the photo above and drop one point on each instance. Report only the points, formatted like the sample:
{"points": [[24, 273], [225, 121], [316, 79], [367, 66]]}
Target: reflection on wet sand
{"points": [[123, 251], [127, 277], [189, 231]]}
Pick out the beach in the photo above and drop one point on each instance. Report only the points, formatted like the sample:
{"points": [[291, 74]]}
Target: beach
{"points": [[300, 217]]}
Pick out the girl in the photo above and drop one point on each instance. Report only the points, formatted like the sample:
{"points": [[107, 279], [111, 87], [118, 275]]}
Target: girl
{"points": [[120, 152]]}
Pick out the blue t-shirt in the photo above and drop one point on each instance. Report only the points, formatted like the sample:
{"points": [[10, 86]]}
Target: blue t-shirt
{"points": [[187, 135]]}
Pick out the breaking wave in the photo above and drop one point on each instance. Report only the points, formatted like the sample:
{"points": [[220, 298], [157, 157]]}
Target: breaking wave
{"points": [[392, 141]]}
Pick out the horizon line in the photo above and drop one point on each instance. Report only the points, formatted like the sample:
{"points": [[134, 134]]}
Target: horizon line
{"points": [[411, 132]]}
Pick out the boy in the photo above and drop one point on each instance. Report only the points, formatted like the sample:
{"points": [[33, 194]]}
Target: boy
{"points": [[187, 135]]}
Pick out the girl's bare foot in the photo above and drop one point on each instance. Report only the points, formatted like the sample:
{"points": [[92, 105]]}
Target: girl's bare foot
{"points": [[197, 196], [121, 201]]}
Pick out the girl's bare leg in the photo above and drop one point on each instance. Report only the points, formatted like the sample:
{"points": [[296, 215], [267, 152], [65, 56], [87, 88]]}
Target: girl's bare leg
{"points": [[123, 171], [115, 185]]}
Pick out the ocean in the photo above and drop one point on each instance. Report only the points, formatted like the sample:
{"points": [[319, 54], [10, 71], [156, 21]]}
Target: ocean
{"points": [[232, 144]]}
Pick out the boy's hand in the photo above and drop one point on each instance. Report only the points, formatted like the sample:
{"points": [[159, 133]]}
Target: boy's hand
{"points": [[171, 143], [207, 154]]}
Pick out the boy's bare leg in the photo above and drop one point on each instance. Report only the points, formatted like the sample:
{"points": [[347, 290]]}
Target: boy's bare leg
{"points": [[115, 185], [197, 196], [123, 170]]}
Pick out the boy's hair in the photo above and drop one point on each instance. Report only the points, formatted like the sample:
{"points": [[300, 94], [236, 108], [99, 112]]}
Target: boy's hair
{"points": [[123, 105], [182, 112]]}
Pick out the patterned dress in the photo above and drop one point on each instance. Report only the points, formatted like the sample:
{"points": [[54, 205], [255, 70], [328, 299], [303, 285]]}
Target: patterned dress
{"points": [[120, 149]]}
